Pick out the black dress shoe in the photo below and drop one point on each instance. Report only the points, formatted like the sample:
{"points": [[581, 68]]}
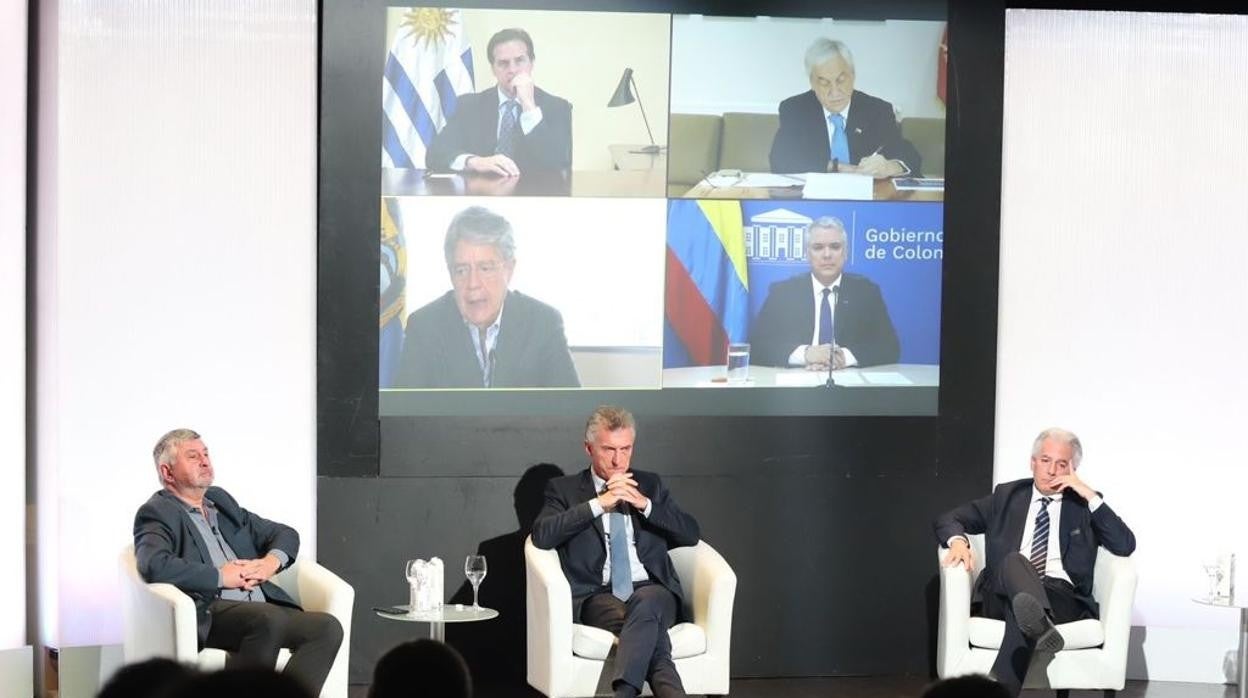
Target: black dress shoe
{"points": [[1036, 624]]}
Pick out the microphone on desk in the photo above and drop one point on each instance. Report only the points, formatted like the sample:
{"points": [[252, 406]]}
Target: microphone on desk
{"points": [[836, 297]]}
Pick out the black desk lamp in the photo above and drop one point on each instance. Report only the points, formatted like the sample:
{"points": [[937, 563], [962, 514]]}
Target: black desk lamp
{"points": [[624, 95]]}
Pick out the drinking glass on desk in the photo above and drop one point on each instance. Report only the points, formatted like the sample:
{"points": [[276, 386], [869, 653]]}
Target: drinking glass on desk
{"points": [[738, 368], [474, 569]]}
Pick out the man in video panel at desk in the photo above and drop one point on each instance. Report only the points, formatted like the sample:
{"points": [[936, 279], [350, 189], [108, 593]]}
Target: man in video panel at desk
{"points": [[480, 334], [1041, 537], [196, 537], [613, 527], [510, 129], [834, 122], [826, 318]]}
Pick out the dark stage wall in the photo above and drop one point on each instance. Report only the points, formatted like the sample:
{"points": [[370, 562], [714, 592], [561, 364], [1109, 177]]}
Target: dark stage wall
{"points": [[825, 520]]}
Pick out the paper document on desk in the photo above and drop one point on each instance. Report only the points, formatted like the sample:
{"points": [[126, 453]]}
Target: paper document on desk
{"points": [[887, 378], [736, 178], [838, 185]]}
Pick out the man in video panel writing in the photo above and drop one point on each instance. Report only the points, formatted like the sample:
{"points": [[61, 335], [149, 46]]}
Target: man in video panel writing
{"points": [[1042, 534], [613, 527], [833, 122], [509, 129], [825, 318], [480, 334]]}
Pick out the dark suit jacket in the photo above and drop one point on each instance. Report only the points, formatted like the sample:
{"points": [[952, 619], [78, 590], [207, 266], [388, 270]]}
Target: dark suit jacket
{"points": [[531, 351], [168, 549], [801, 143], [473, 128], [787, 321], [566, 522], [1002, 516]]}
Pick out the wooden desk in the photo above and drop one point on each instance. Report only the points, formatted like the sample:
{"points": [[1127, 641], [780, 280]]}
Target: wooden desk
{"points": [[883, 191], [628, 157], [590, 183]]}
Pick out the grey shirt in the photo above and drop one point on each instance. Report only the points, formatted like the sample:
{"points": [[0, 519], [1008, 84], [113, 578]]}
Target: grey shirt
{"points": [[205, 522]]}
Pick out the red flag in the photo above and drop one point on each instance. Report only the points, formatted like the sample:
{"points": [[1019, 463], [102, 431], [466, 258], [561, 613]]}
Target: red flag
{"points": [[942, 65]]}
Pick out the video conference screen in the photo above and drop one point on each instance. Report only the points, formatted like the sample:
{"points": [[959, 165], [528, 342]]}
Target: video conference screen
{"points": [[720, 215]]}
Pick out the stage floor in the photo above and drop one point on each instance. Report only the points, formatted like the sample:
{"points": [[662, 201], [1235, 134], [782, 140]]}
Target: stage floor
{"points": [[911, 687]]}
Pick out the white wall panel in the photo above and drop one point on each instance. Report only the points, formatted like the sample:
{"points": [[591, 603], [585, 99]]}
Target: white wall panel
{"points": [[13, 28], [177, 262], [1122, 317]]}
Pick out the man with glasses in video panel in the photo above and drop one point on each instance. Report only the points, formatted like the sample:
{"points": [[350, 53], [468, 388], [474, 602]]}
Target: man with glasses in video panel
{"points": [[480, 334]]}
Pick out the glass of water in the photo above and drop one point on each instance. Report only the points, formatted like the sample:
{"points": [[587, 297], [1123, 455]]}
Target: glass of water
{"points": [[738, 362], [474, 569]]}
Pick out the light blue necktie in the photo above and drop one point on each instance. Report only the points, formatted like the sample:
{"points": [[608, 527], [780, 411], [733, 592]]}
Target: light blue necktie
{"points": [[840, 142], [508, 130], [621, 570]]}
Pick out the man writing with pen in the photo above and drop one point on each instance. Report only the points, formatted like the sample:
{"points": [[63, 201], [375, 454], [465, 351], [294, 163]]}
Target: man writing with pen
{"points": [[834, 128]]}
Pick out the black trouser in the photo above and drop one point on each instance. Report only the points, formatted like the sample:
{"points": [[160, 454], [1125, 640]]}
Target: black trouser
{"points": [[253, 632], [1015, 575], [645, 650]]}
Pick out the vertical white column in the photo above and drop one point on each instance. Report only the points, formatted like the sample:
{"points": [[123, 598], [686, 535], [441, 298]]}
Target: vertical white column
{"points": [[176, 274]]}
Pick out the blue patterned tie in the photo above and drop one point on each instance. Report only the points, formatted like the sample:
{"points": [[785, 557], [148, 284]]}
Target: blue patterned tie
{"points": [[840, 142], [825, 318], [508, 129], [621, 570], [1040, 539]]}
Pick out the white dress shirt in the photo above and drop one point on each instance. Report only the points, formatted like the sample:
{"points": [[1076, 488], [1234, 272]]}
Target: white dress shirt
{"points": [[1053, 563], [798, 357]]}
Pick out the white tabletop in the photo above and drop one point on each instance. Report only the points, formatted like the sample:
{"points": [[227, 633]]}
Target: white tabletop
{"points": [[450, 613], [889, 375]]}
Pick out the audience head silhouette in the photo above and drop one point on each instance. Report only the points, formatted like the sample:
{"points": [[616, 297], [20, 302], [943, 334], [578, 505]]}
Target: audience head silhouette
{"points": [[154, 678], [973, 686], [421, 668]]}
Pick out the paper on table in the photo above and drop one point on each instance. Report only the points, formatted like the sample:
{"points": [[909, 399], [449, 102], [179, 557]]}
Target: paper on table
{"points": [[800, 378], [735, 178], [838, 185], [887, 378]]}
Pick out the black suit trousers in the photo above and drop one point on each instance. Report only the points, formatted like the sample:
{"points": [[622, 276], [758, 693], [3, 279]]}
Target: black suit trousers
{"points": [[254, 632], [1016, 575], [641, 623]]}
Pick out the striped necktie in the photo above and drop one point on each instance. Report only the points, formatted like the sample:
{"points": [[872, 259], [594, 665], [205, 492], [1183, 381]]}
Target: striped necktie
{"points": [[1040, 540]]}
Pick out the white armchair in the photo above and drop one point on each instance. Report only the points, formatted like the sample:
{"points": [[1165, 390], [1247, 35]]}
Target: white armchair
{"points": [[159, 620], [566, 659], [1095, 656]]}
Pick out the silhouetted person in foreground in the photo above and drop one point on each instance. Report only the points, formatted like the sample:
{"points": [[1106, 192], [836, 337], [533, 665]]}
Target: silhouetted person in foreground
{"points": [[247, 681], [421, 668], [973, 686], [154, 678]]}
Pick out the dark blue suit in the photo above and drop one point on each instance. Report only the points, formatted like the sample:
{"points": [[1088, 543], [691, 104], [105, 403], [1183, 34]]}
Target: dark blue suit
{"points": [[567, 523], [1001, 517], [473, 129]]}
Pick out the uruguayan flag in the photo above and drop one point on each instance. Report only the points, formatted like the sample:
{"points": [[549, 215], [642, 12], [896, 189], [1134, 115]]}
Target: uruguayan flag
{"points": [[428, 67]]}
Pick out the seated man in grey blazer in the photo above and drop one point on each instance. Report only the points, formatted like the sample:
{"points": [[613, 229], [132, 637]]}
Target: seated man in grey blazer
{"points": [[196, 537]]}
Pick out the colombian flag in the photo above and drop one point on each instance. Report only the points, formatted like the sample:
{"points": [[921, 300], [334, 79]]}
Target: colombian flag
{"points": [[707, 297]]}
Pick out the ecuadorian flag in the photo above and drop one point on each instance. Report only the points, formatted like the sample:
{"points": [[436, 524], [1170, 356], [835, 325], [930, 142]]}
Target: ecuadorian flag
{"points": [[393, 285], [707, 302]]}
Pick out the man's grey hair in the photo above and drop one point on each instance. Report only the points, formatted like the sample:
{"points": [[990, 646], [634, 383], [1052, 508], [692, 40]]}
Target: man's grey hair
{"points": [[479, 226], [829, 222], [611, 418], [166, 450], [1062, 436], [822, 51]]}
